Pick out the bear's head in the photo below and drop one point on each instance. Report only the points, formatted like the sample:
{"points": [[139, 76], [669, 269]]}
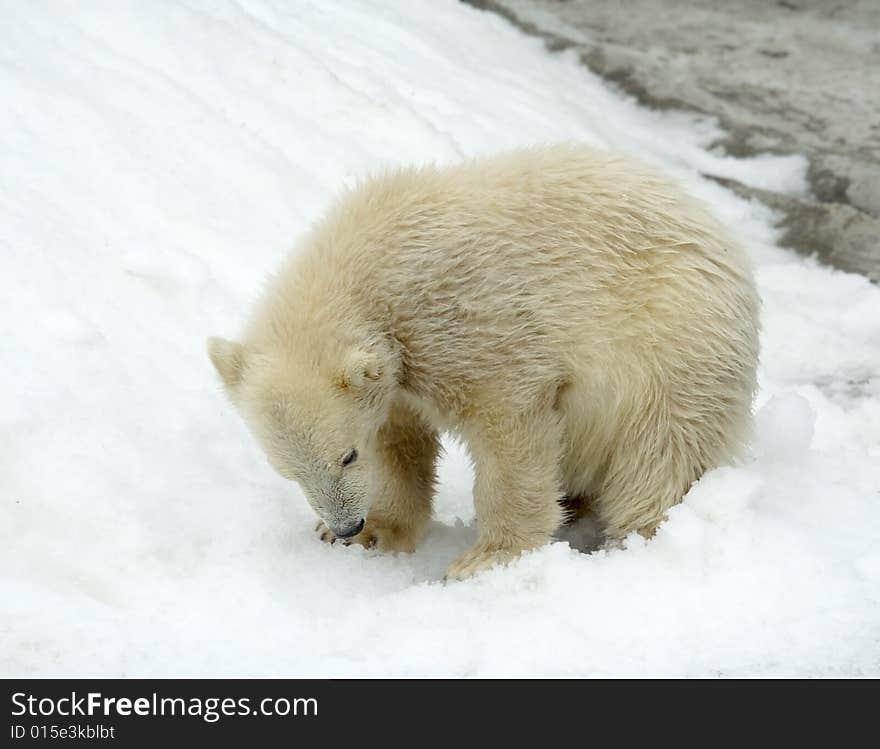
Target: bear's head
{"points": [[316, 418]]}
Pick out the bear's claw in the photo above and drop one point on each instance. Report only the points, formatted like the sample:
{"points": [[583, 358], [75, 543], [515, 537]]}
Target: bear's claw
{"points": [[324, 533]]}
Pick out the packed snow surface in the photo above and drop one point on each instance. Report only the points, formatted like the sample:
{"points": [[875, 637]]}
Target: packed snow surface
{"points": [[157, 161]]}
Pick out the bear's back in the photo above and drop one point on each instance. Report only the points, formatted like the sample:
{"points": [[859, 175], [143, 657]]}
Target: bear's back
{"points": [[530, 261], [566, 235]]}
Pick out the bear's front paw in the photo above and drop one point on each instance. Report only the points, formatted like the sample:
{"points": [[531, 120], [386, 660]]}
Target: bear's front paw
{"points": [[476, 560], [328, 536], [374, 535]]}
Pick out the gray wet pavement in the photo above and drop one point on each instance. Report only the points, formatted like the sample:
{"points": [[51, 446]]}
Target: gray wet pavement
{"points": [[793, 76]]}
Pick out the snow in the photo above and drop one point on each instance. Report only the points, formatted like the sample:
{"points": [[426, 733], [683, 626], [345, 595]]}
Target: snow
{"points": [[159, 159]]}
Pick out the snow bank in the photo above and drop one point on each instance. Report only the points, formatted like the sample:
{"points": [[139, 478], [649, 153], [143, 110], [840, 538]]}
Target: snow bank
{"points": [[158, 160]]}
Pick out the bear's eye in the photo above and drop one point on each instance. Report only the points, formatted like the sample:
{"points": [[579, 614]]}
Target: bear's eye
{"points": [[350, 457]]}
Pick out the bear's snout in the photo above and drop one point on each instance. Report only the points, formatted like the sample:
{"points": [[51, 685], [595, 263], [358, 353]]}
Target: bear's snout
{"points": [[348, 531]]}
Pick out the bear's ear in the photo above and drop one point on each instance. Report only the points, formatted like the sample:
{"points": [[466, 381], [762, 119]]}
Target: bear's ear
{"points": [[228, 360], [360, 369]]}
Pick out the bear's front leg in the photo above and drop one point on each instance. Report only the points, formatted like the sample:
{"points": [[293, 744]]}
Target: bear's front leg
{"points": [[406, 451], [516, 489]]}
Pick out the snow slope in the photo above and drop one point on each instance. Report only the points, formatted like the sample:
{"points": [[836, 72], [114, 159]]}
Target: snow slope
{"points": [[156, 161]]}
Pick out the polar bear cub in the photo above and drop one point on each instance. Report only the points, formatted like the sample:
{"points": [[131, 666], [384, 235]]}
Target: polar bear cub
{"points": [[584, 325]]}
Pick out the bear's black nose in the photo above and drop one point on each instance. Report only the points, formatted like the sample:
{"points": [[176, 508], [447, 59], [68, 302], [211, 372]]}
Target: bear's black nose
{"points": [[349, 530]]}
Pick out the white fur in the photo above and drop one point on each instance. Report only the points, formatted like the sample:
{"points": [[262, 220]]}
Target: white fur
{"points": [[584, 325]]}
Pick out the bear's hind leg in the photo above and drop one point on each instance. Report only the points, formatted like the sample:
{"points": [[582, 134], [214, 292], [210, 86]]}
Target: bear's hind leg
{"points": [[650, 471], [516, 489]]}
